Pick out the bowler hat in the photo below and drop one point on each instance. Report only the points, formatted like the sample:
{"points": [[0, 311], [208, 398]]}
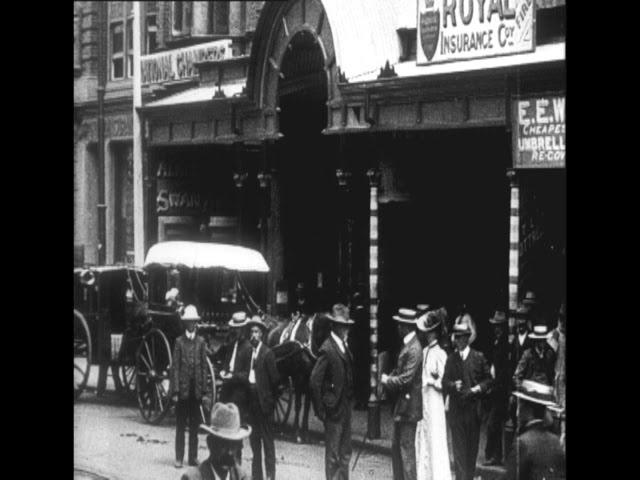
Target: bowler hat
{"points": [[224, 422], [530, 298], [536, 392], [238, 319], [190, 312], [428, 322], [256, 320], [406, 315], [540, 332], [498, 318]]}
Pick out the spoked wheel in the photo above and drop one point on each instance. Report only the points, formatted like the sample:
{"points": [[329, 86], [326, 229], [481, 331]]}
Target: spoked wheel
{"points": [[81, 353], [152, 368], [128, 378], [283, 405], [211, 384]]}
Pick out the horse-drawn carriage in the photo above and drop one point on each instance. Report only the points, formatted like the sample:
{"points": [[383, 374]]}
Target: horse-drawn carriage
{"points": [[121, 320]]}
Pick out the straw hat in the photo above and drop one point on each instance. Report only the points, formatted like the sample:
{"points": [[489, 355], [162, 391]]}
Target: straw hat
{"points": [[461, 329], [406, 315], [256, 320], [540, 332], [537, 392], [190, 313], [498, 318], [428, 322], [225, 422], [238, 319]]}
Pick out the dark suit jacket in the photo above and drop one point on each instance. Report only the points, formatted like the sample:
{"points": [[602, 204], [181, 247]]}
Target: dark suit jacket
{"points": [[517, 350], [181, 364], [532, 366], [267, 379], [242, 363], [302, 333], [204, 471], [500, 358], [332, 381], [472, 371], [536, 455], [405, 381]]}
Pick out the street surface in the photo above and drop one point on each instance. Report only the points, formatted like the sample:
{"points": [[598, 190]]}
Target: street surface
{"points": [[112, 441]]}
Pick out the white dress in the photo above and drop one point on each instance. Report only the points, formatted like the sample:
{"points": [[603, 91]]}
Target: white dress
{"points": [[432, 453]]}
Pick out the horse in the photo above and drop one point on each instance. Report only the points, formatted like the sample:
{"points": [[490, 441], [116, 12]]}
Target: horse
{"points": [[296, 361]]}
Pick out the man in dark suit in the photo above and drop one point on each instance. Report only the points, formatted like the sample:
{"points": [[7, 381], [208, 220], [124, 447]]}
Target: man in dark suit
{"points": [[521, 342], [466, 378], [332, 391], [405, 383], [498, 397], [539, 361], [225, 435], [189, 384], [537, 453], [235, 372], [263, 381]]}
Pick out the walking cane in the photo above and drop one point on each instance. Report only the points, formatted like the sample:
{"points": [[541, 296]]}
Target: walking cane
{"points": [[364, 441]]}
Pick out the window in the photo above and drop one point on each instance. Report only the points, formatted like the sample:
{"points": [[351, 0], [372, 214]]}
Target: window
{"points": [[220, 20], [152, 33], [117, 53], [130, 47], [177, 17], [181, 18], [76, 42]]}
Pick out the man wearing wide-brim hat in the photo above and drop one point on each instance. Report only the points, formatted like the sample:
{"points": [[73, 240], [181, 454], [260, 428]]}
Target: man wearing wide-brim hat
{"points": [[405, 383], [536, 452], [501, 368], [236, 364], [466, 379], [189, 385], [224, 439], [539, 361], [263, 382], [331, 384]]}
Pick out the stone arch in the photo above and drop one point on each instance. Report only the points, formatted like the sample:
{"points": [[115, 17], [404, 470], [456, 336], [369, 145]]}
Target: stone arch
{"points": [[279, 23]]}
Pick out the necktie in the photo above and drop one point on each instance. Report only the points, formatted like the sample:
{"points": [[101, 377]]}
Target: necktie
{"points": [[252, 373]]}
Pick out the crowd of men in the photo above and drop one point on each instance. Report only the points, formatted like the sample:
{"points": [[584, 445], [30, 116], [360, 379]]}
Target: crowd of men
{"points": [[440, 386]]}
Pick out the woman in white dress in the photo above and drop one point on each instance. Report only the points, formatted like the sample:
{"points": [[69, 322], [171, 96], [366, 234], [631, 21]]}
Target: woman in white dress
{"points": [[432, 453]]}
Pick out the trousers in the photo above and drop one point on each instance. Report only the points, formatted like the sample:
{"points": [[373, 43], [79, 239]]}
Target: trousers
{"points": [[261, 437], [337, 437], [495, 424], [187, 411], [465, 439], [403, 451]]}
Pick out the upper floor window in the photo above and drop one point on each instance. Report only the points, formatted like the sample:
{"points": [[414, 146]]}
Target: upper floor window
{"points": [[117, 51], [76, 42], [121, 39], [152, 33], [220, 17], [181, 21]]}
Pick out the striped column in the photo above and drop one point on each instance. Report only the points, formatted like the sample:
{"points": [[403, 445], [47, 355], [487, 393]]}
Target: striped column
{"points": [[514, 244], [373, 430]]}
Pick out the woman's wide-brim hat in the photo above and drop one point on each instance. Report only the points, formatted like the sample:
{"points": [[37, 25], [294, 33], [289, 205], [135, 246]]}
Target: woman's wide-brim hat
{"points": [[428, 322], [536, 392], [190, 313], [499, 317], [540, 332], [238, 319], [225, 423], [256, 320], [406, 315]]}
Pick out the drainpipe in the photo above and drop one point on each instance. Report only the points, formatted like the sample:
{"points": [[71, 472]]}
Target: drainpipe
{"points": [[102, 81]]}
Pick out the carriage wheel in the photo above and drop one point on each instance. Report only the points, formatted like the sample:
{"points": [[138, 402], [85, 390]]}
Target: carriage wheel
{"points": [[211, 383], [152, 368], [81, 353], [128, 378], [283, 405]]}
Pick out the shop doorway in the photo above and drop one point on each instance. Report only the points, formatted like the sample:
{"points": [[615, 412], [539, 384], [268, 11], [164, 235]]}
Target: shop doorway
{"points": [[308, 177], [448, 243]]}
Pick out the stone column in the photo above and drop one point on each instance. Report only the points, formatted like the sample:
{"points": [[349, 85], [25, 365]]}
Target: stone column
{"points": [[200, 18], [373, 421]]}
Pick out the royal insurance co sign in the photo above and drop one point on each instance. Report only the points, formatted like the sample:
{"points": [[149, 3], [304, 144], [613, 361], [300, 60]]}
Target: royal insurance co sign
{"points": [[452, 30]]}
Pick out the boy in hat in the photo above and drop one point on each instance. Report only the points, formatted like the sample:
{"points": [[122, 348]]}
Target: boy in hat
{"points": [[537, 453], [499, 394], [263, 381], [189, 384], [331, 384], [466, 378], [539, 361], [224, 438], [405, 381]]}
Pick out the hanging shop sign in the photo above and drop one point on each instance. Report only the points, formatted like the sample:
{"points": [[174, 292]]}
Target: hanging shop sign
{"points": [[539, 127], [178, 64], [452, 30]]}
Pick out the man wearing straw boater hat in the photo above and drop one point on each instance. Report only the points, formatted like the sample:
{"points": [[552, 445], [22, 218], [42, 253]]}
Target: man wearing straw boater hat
{"points": [[539, 361], [189, 384], [536, 453], [331, 385], [499, 359], [466, 379], [405, 382], [263, 381], [237, 360], [225, 435]]}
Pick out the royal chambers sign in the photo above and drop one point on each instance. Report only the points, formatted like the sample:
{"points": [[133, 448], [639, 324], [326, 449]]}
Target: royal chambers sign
{"points": [[452, 30]]}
